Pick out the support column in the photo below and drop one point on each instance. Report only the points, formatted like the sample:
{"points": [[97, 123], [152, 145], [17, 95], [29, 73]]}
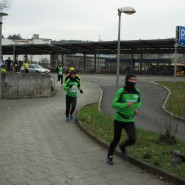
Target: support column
{"points": [[84, 63], [14, 58], [141, 65], [132, 62], [95, 63], [0, 58], [62, 60], [51, 61]]}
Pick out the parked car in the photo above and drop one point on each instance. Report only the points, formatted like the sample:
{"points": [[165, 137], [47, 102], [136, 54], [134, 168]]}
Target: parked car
{"points": [[35, 68]]}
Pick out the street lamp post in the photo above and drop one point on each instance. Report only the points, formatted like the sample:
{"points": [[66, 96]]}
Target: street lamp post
{"points": [[175, 61], [128, 11], [1, 22]]}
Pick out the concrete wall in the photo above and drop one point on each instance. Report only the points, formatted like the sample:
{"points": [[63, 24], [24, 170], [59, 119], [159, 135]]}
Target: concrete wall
{"points": [[27, 85]]}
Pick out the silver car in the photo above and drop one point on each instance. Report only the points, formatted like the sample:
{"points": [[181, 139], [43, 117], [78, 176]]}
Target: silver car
{"points": [[35, 68]]}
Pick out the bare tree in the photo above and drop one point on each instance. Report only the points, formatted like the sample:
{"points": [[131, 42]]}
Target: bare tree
{"points": [[168, 128], [4, 5], [168, 123]]}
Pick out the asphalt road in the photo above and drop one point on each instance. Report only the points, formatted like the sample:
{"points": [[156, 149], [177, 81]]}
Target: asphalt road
{"points": [[153, 97]]}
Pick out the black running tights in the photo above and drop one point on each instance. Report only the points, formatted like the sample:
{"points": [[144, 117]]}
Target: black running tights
{"points": [[70, 104], [130, 130]]}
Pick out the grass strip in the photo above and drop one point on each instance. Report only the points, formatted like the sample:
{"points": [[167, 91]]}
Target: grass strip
{"points": [[146, 147], [176, 102]]}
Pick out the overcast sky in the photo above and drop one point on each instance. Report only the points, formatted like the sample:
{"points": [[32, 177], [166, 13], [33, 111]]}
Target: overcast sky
{"points": [[94, 19]]}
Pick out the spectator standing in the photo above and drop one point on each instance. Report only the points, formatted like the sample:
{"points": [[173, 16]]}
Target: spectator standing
{"points": [[16, 65], [3, 69], [26, 65], [8, 63]]}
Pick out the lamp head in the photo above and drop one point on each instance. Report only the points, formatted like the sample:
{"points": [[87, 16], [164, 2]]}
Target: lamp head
{"points": [[127, 10], [1, 16]]}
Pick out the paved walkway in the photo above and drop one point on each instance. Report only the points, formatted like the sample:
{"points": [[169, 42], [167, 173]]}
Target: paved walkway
{"points": [[38, 147]]}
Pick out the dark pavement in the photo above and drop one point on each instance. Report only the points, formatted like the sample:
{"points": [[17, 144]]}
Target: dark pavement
{"points": [[153, 97], [150, 113]]}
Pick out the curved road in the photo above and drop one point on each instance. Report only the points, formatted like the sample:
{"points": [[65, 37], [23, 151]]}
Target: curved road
{"points": [[153, 97]]}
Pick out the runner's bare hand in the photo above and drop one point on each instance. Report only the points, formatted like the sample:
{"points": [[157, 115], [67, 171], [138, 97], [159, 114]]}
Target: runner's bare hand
{"points": [[130, 104], [136, 111]]}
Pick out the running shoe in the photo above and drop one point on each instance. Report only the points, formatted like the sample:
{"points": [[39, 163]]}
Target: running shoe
{"points": [[71, 117], [110, 159], [67, 119], [124, 154]]}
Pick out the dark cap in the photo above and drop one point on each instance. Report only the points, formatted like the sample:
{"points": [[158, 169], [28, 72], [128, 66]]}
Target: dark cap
{"points": [[129, 76]]}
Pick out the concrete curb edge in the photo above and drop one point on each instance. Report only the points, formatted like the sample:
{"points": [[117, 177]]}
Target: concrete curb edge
{"points": [[166, 100]]}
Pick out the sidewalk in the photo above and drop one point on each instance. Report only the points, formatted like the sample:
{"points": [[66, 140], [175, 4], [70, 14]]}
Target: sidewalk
{"points": [[38, 147]]}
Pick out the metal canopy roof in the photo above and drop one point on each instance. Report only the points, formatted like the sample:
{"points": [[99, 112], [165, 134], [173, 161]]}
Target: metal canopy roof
{"points": [[104, 47], [35, 49], [126, 47]]}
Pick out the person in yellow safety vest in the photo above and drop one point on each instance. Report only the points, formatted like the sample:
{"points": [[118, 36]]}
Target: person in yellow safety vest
{"points": [[3, 69], [68, 75], [26, 66]]}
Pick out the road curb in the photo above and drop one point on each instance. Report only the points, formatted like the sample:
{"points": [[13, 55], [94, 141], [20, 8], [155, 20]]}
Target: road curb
{"points": [[161, 174], [166, 100]]}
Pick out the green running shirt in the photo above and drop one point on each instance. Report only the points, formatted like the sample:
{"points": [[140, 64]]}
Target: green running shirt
{"points": [[72, 87], [123, 112]]}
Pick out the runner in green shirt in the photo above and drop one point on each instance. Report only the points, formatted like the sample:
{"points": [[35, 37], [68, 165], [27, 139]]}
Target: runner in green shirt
{"points": [[60, 73], [72, 86], [126, 103]]}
